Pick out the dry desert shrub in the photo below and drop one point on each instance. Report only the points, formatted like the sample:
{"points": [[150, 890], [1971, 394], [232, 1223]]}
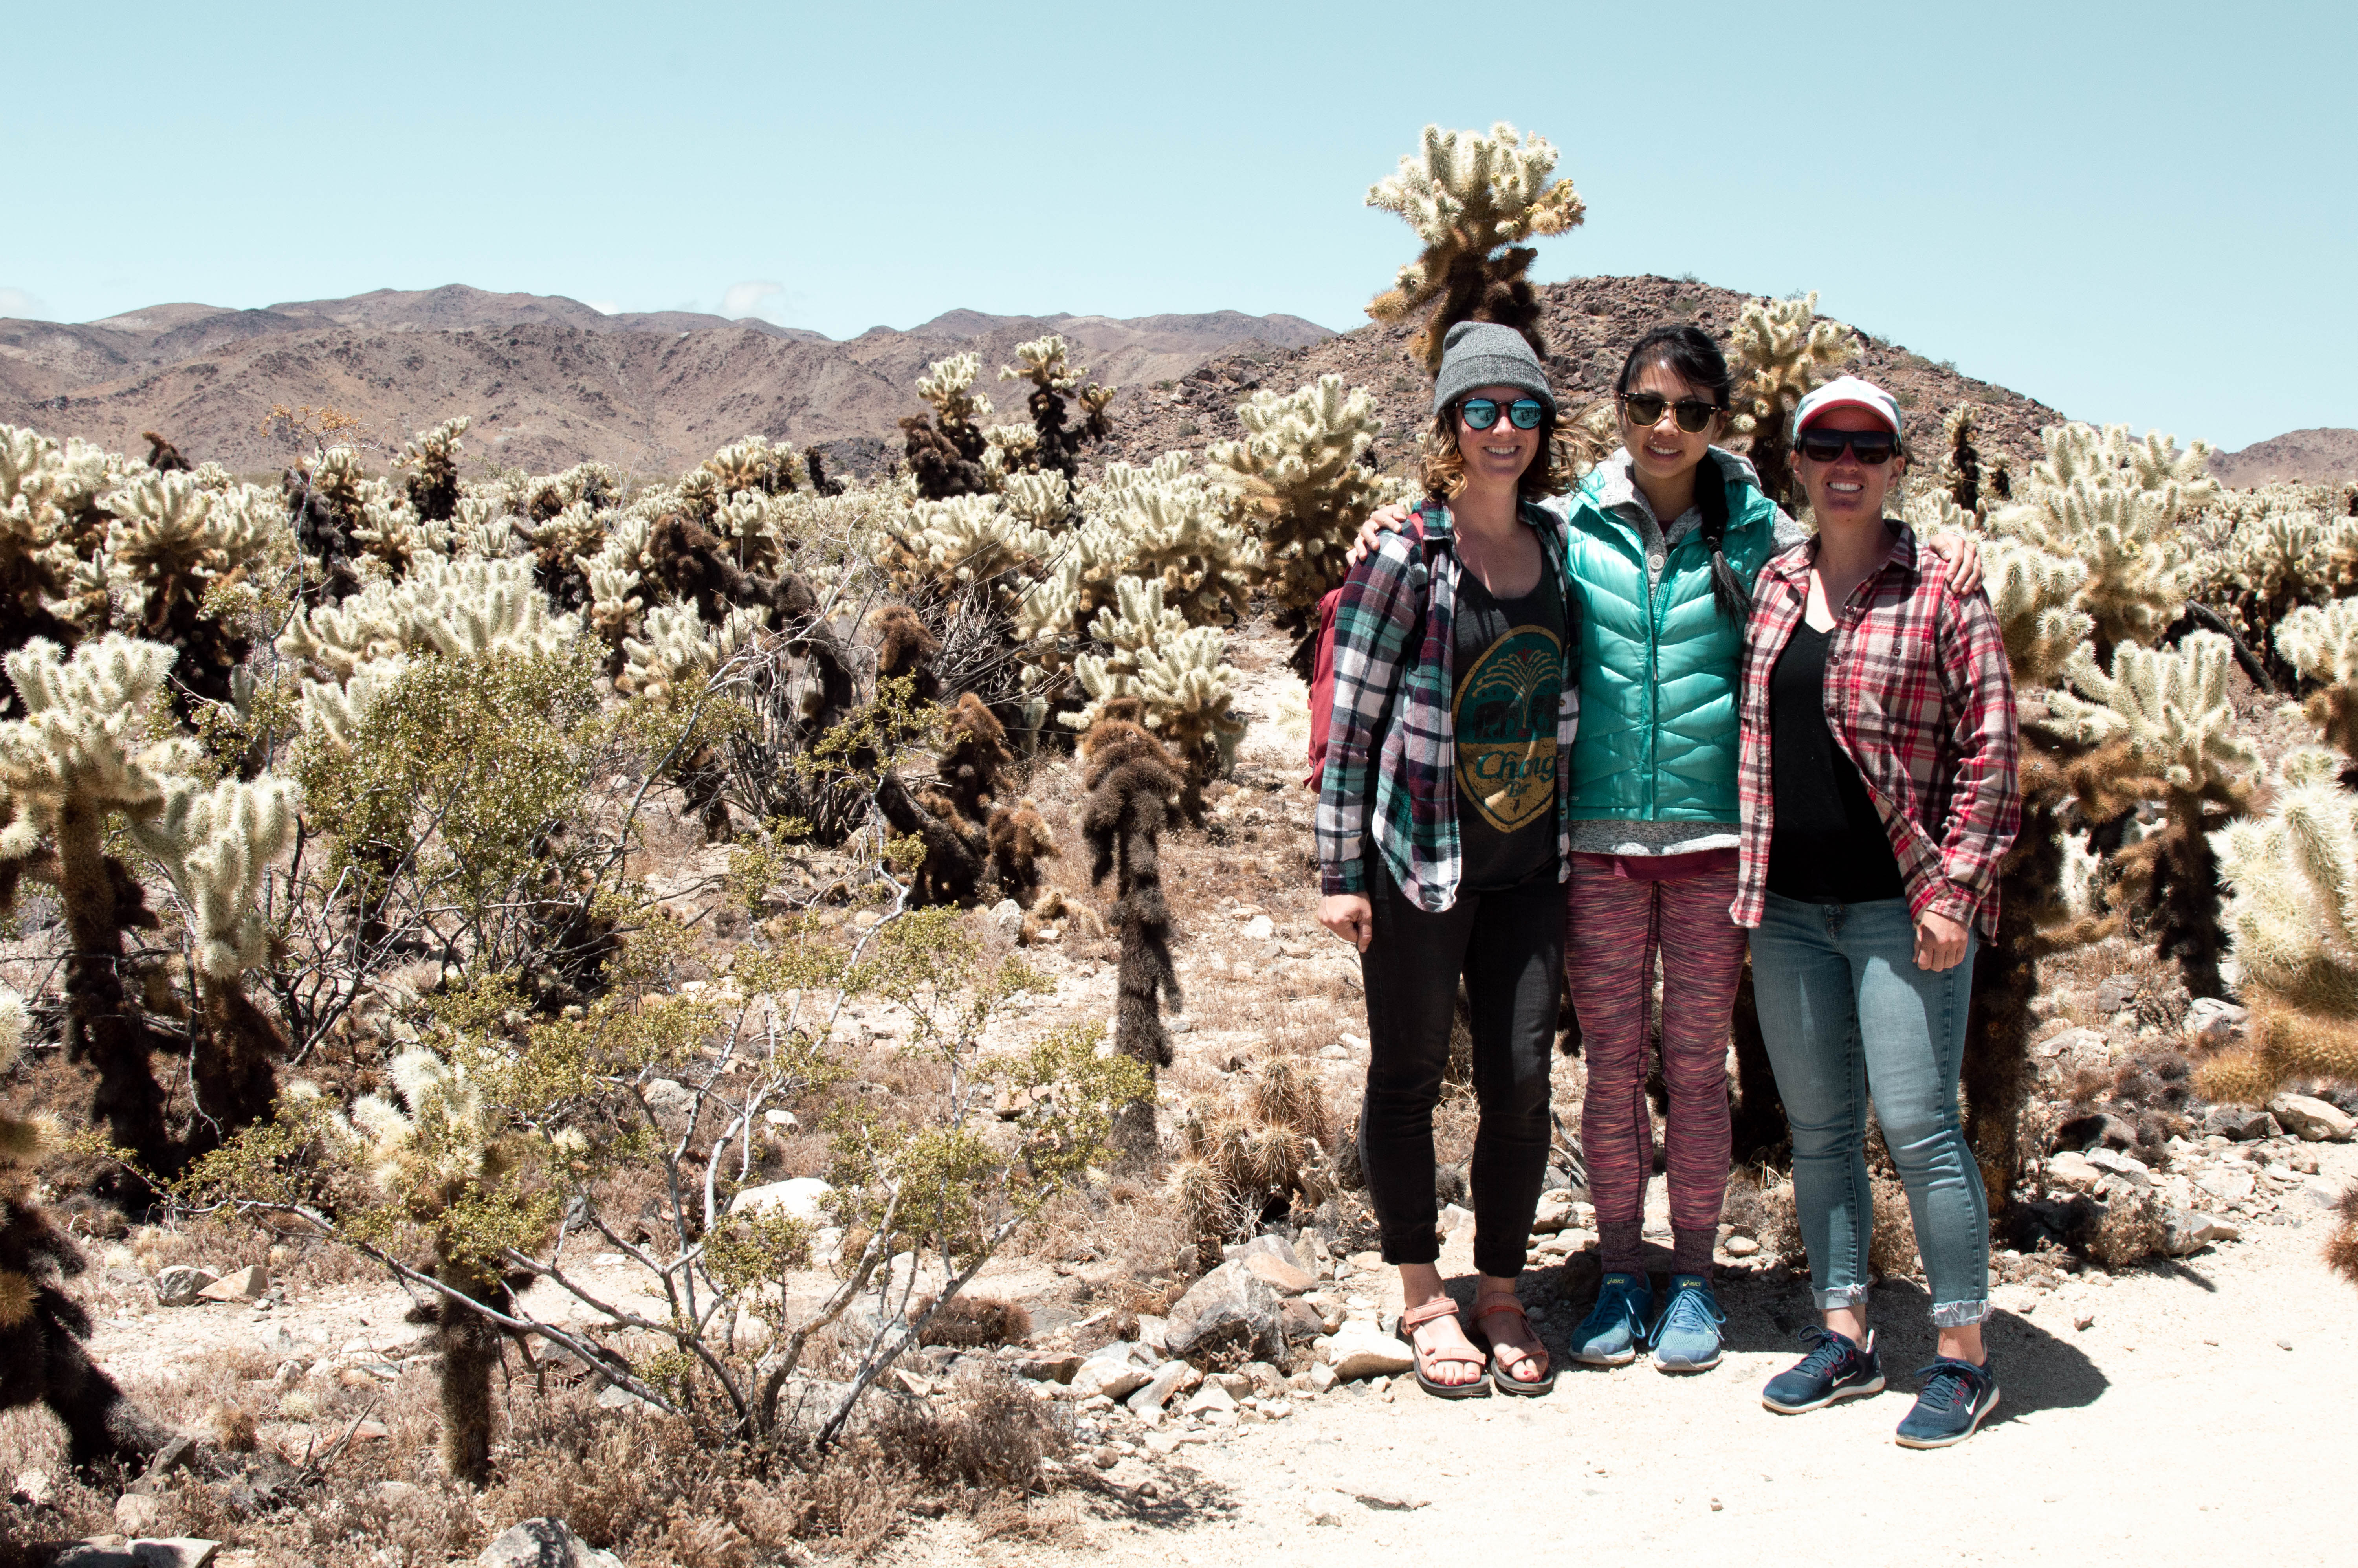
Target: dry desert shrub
{"points": [[2342, 1247], [970, 1321]]}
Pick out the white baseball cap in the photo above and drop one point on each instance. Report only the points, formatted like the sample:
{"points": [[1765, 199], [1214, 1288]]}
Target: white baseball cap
{"points": [[1847, 392]]}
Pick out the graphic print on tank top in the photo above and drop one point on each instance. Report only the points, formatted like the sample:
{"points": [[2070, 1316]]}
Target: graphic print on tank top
{"points": [[1505, 719]]}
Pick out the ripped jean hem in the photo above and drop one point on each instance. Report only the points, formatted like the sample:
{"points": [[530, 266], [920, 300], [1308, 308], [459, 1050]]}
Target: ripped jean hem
{"points": [[1838, 1298], [1958, 1314]]}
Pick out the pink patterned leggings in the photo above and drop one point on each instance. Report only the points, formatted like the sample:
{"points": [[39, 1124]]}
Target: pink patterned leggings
{"points": [[1615, 927]]}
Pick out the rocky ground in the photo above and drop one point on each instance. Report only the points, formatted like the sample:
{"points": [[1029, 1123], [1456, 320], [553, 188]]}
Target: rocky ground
{"points": [[2151, 1412]]}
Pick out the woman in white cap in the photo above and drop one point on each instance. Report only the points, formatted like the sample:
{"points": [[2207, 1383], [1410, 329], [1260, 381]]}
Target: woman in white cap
{"points": [[1878, 776], [1667, 536], [1442, 824]]}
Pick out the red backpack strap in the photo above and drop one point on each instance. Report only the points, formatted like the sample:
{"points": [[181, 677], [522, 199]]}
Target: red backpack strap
{"points": [[1322, 685]]}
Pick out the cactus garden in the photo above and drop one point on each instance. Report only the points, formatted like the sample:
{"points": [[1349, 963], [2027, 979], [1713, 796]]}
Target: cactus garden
{"points": [[755, 1010]]}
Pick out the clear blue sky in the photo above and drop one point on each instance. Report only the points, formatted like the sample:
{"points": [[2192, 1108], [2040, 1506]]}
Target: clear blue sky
{"points": [[2135, 212]]}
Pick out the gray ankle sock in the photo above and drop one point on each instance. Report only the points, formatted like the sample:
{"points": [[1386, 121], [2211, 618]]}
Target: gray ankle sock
{"points": [[1620, 1245], [1690, 1250]]}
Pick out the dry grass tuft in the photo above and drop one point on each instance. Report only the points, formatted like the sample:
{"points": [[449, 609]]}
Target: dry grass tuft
{"points": [[969, 1323]]}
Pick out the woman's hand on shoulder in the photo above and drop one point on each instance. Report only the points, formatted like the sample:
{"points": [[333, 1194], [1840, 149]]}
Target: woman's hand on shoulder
{"points": [[1963, 554], [1390, 520]]}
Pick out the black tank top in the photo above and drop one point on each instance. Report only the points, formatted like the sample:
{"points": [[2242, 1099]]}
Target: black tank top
{"points": [[1510, 662], [1827, 845]]}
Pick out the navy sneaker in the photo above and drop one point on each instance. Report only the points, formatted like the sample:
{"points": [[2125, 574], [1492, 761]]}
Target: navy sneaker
{"points": [[1686, 1336], [1839, 1369], [1609, 1335], [1953, 1402]]}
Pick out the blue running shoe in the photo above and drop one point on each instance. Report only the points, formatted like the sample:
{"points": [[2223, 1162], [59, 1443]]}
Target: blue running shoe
{"points": [[1686, 1336], [1839, 1369], [1955, 1398], [1609, 1335]]}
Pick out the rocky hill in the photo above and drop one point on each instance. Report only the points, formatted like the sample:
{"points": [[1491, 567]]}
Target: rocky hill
{"points": [[550, 381], [2298, 457]]}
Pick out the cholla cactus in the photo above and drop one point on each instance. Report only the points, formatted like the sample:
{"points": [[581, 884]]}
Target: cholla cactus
{"points": [[2293, 918], [2280, 553], [2170, 707], [1780, 351], [178, 556], [40, 493], [2035, 596], [433, 488], [1297, 480], [679, 647], [82, 751], [752, 464], [215, 845], [1052, 448], [2321, 645], [2117, 503], [439, 1159], [1960, 459], [945, 451], [1466, 195], [460, 609], [1177, 672], [946, 546]]}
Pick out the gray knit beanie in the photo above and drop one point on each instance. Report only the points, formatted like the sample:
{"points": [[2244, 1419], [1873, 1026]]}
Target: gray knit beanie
{"points": [[1484, 353]]}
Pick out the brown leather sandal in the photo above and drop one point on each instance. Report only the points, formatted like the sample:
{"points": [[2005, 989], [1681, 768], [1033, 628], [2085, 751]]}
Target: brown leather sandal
{"points": [[1490, 1305], [1434, 1311]]}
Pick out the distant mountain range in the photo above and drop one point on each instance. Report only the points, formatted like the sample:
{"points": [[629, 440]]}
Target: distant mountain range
{"points": [[550, 381]]}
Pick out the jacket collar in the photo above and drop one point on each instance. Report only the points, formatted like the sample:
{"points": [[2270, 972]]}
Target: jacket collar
{"points": [[1617, 488]]}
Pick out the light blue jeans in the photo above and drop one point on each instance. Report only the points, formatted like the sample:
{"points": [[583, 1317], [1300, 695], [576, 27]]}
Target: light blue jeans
{"points": [[1846, 1013]]}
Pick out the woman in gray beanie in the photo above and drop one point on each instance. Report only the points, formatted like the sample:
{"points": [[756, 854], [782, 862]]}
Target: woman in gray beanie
{"points": [[1443, 827]]}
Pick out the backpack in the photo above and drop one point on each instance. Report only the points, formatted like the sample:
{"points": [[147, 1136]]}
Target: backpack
{"points": [[1321, 669]]}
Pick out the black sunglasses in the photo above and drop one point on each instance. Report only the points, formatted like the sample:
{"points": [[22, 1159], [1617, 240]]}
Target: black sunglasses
{"points": [[1873, 448], [1645, 407], [1481, 413]]}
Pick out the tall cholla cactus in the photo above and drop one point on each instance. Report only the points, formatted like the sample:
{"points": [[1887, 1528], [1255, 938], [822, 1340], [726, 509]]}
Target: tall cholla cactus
{"points": [[1052, 447], [949, 546], [1176, 672], [439, 1156], [945, 451], [2293, 917], [178, 553], [2035, 596], [1297, 480], [2321, 645], [2117, 503], [1780, 351], [39, 492], [44, 1332], [1466, 195], [752, 464], [433, 458], [460, 609], [1960, 459], [81, 753], [2169, 705]]}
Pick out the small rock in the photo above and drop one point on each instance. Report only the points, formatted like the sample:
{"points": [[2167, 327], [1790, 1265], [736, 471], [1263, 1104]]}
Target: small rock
{"points": [[2071, 1041], [2083, 1321], [2073, 1172], [2120, 1164], [543, 1544], [800, 1198], [2313, 1119], [2183, 1232], [1228, 1305], [1007, 914], [179, 1284], [1326, 1507], [2114, 992], [1299, 1320], [1455, 1217], [1260, 928], [1209, 1399], [138, 1513], [1282, 1278], [1104, 1456], [909, 1382], [1742, 1246], [1157, 1391], [174, 1551], [2228, 1183], [1323, 1379], [1367, 1354], [784, 1120], [1048, 1368], [250, 1283], [2213, 1021], [2243, 1123], [1553, 1214]]}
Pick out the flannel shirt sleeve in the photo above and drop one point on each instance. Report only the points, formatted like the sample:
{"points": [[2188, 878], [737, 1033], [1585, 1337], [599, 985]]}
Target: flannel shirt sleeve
{"points": [[1371, 628], [1985, 803]]}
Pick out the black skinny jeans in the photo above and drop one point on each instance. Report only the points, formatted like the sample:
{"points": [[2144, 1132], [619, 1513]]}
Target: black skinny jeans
{"points": [[1509, 947]]}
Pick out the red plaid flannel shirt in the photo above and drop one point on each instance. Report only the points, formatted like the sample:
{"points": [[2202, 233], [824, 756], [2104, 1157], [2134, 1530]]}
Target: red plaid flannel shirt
{"points": [[1919, 695]]}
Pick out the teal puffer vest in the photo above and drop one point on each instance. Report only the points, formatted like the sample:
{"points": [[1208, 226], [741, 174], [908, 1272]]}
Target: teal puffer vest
{"points": [[1658, 670]]}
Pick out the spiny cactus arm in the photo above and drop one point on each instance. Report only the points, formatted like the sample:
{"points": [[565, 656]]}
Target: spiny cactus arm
{"points": [[1780, 351], [2171, 704], [216, 845], [949, 384], [84, 734], [2035, 595], [1465, 194]]}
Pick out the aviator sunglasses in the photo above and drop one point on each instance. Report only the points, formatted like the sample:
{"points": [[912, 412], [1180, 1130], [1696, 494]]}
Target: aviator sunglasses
{"points": [[1873, 448], [1645, 407], [1481, 413]]}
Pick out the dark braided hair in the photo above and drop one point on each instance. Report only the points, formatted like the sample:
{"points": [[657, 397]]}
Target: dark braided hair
{"points": [[1688, 352]]}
